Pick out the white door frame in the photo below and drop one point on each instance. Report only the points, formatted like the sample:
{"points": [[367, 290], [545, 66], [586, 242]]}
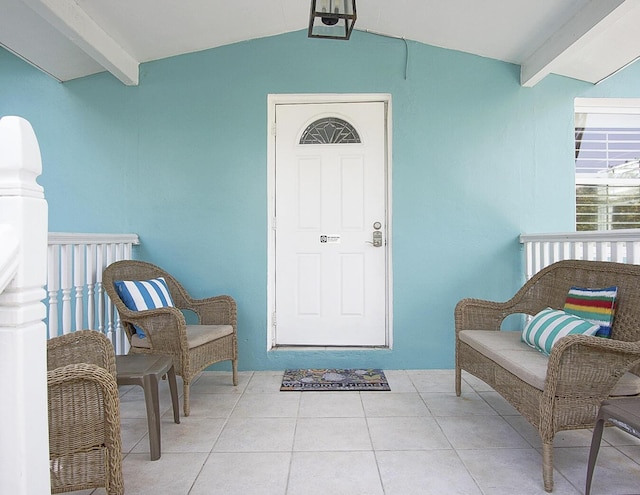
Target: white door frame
{"points": [[282, 99]]}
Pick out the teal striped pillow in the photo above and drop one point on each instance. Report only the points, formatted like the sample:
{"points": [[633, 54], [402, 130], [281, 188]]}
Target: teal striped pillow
{"points": [[550, 325]]}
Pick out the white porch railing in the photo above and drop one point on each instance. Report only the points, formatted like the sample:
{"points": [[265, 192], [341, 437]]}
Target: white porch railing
{"points": [[76, 298], [542, 250]]}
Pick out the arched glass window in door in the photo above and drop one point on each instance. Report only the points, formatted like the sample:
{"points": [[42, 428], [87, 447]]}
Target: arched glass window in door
{"points": [[330, 130]]}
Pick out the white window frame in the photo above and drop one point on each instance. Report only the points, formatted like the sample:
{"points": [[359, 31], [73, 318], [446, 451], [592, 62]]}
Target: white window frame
{"points": [[608, 106]]}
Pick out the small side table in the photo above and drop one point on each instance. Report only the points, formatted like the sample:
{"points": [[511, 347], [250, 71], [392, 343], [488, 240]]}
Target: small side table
{"points": [[145, 370], [623, 413]]}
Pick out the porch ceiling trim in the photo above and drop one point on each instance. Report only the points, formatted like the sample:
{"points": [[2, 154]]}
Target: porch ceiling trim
{"points": [[74, 23], [590, 22]]}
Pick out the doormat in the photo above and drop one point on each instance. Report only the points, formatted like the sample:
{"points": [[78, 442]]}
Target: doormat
{"points": [[333, 380]]}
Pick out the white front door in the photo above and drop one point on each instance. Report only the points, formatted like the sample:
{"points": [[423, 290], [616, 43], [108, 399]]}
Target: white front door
{"points": [[330, 224]]}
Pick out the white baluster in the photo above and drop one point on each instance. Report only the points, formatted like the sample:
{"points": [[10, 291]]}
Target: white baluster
{"points": [[557, 252], [528, 273], [53, 286], [564, 251], [65, 270], [100, 254], [78, 283], [633, 254], [536, 257], [90, 283], [111, 253]]}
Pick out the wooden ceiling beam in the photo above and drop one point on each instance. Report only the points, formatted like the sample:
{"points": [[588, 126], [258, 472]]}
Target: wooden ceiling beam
{"points": [[74, 23], [578, 31]]}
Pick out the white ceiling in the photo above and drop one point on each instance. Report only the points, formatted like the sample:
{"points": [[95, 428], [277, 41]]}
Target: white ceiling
{"points": [[582, 39]]}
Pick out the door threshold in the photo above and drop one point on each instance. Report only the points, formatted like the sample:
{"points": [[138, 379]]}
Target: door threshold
{"points": [[328, 348]]}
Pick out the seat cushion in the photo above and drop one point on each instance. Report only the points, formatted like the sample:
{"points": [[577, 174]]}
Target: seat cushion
{"points": [[509, 352], [196, 335]]}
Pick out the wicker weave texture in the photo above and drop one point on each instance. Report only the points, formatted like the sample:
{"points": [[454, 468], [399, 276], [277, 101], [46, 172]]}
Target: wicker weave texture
{"points": [[84, 414], [581, 371], [166, 327]]}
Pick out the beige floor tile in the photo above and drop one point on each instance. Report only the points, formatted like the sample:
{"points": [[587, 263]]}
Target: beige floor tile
{"points": [[193, 434], [323, 434], [632, 452], [172, 474], [246, 473], [468, 404], [335, 473], [617, 437], [133, 431], [272, 405], [433, 472], [480, 432], [499, 403], [511, 471], [571, 438], [265, 382], [406, 433], [399, 381], [614, 472], [390, 404], [433, 381], [209, 406], [257, 435], [331, 405], [475, 383], [525, 429], [220, 382], [133, 405]]}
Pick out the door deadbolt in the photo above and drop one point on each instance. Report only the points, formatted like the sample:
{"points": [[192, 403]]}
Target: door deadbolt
{"points": [[377, 238]]}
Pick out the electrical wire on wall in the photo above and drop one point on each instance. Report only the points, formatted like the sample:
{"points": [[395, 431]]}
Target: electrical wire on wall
{"points": [[406, 47]]}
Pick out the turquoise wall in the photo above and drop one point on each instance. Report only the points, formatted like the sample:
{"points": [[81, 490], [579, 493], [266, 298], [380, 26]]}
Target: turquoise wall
{"points": [[181, 160]]}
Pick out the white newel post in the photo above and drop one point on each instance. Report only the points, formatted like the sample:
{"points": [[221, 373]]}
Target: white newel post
{"points": [[24, 439]]}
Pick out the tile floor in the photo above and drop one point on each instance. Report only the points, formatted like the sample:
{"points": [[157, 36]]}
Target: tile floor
{"points": [[417, 439]]}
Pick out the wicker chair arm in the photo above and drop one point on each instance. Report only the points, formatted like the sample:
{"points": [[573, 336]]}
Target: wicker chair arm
{"points": [[68, 389], [82, 346], [79, 423], [217, 310], [588, 367], [164, 327], [478, 314]]}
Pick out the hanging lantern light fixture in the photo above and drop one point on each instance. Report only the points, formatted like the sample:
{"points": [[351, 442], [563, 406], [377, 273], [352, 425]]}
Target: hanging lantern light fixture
{"points": [[332, 19]]}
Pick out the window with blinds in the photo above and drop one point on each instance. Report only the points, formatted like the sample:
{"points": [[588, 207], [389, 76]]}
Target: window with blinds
{"points": [[607, 164]]}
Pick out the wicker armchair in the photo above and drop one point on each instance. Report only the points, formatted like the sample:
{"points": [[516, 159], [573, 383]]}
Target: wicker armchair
{"points": [[581, 371], [192, 347], [84, 414]]}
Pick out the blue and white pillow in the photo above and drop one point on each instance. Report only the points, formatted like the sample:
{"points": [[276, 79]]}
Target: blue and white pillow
{"points": [[139, 295], [550, 325]]}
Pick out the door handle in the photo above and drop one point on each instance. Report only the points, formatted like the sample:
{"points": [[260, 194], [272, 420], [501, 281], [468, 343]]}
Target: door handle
{"points": [[377, 238], [377, 235]]}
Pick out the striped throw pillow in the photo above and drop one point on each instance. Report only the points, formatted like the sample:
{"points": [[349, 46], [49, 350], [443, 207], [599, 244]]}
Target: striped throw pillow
{"points": [[550, 325], [139, 295], [595, 305]]}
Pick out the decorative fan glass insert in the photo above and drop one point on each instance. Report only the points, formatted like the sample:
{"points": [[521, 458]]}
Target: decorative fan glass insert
{"points": [[330, 130]]}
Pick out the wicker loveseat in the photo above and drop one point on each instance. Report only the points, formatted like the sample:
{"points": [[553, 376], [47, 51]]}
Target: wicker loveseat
{"points": [[562, 391]]}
